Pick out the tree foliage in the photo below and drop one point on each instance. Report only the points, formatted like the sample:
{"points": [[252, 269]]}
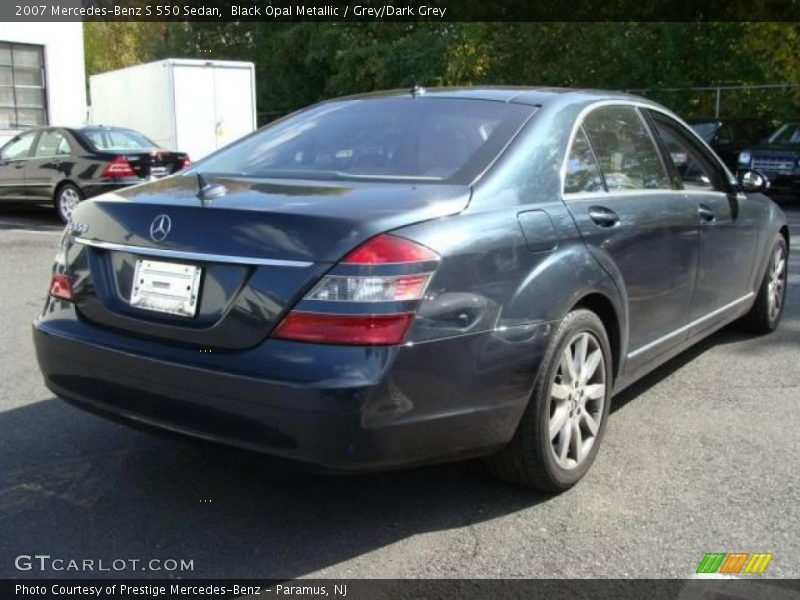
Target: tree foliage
{"points": [[300, 63]]}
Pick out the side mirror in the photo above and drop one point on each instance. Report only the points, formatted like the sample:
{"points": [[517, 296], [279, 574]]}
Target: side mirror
{"points": [[753, 181]]}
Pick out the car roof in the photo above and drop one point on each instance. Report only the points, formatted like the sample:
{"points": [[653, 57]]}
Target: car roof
{"points": [[103, 128], [534, 96]]}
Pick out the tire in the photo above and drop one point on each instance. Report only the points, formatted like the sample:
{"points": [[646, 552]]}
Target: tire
{"points": [[530, 460], [767, 310], [65, 200]]}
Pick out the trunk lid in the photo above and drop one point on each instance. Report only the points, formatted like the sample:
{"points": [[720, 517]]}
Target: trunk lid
{"points": [[259, 247]]}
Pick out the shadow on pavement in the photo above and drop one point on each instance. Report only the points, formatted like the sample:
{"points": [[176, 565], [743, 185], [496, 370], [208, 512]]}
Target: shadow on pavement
{"points": [[27, 215], [76, 486]]}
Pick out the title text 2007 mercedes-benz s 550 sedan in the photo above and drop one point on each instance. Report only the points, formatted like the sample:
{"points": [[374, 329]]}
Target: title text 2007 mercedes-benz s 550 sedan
{"points": [[412, 277]]}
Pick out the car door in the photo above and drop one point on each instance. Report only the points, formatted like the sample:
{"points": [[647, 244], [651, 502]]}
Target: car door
{"points": [[641, 229], [47, 164], [728, 229], [13, 157]]}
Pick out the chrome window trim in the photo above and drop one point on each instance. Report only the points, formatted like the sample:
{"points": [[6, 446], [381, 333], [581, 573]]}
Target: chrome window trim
{"points": [[640, 105], [604, 194], [196, 256], [688, 326], [648, 192]]}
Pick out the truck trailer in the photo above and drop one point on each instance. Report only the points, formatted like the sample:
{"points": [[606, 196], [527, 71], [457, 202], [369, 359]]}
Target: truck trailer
{"points": [[187, 105]]}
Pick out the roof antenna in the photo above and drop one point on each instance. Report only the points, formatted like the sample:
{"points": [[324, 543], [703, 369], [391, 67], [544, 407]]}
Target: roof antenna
{"points": [[416, 89], [208, 191]]}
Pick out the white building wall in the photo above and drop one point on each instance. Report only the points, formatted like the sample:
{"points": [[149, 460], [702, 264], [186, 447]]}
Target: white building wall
{"points": [[65, 72]]}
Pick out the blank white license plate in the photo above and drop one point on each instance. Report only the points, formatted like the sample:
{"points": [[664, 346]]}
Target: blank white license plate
{"points": [[166, 287]]}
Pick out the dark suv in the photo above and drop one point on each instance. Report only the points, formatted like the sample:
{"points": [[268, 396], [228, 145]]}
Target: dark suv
{"points": [[778, 159]]}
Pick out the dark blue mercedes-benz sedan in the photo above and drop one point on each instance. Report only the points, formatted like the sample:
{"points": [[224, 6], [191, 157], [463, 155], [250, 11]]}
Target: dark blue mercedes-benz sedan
{"points": [[413, 276]]}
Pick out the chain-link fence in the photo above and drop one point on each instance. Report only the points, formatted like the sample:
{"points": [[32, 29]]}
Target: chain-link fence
{"points": [[774, 103]]}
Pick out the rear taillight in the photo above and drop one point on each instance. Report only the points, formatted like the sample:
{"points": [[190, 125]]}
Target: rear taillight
{"points": [[386, 248], [326, 328], [119, 167], [187, 162], [379, 300], [370, 288], [61, 286]]}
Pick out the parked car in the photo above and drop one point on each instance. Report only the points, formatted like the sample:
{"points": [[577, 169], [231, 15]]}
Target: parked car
{"points": [[404, 278], [63, 165], [778, 159], [728, 137]]}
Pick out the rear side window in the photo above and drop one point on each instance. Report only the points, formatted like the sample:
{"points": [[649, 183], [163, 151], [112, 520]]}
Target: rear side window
{"points": [[625, 151], [423, 138], [51, 143], [582, 174]]}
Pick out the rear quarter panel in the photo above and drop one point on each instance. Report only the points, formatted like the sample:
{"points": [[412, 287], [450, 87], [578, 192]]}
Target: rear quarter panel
{"points": [[513, 265]]}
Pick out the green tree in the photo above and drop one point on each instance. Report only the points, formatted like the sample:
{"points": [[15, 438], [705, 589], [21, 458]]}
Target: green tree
{"points": [[300, 63]]}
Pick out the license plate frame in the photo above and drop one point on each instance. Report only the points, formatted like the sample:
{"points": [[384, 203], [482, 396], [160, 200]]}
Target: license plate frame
{"points": [[166, 287], [158, 172]]}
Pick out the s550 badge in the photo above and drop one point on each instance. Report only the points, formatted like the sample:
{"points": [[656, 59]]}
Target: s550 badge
{"points": [[76, 228]]}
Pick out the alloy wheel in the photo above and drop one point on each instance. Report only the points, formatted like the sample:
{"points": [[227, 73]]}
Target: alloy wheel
{"points": [[68, 199], [777, 283], [577, 399]]}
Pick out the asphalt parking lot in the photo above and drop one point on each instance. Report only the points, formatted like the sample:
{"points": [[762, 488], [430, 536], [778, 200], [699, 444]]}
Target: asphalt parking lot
{"points": [[702, 456]]}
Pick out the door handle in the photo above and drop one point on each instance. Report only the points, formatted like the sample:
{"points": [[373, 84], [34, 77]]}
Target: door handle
{"points": [[603, 217], [706, 214]]}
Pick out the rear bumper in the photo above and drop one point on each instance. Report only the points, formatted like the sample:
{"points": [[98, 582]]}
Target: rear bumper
{"points": [[341, 408]]}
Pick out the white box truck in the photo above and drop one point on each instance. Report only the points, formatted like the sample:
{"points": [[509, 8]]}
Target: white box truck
{"points": [[193, 106]]}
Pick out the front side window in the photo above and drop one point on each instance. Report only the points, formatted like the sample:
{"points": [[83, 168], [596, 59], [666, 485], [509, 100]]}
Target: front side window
{"points": [[22, 86], [423, 138], [625, 151], [696, 171], [788, 133], [582, 173], [51, 143], [19, 147]]}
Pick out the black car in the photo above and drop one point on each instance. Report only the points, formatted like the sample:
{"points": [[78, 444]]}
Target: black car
{"points": [[728, 137], [778, 159], [64, 166], [404, 278]]}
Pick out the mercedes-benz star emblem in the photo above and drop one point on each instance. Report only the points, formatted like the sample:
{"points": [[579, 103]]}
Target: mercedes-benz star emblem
{"points": [[159, 228]]}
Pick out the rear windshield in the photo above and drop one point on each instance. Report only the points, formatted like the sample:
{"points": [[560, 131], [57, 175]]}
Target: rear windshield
{"points": [[389, 138], [788, 133], [117, 139]]}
